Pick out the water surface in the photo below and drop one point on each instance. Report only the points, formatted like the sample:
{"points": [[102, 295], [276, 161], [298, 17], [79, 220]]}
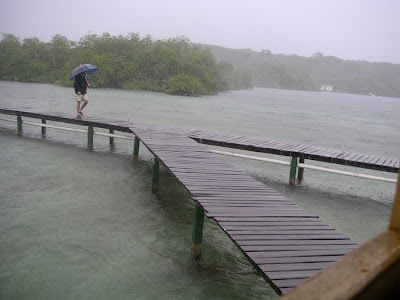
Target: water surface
{"points": [[80, 224]]}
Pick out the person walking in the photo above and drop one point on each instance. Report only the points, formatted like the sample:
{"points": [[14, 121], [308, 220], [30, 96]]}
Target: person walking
{"points": [[81, 85]]}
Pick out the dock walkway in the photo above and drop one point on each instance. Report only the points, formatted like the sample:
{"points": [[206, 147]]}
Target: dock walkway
{"points": [[302, 151], [283, 241], [335, 156]]}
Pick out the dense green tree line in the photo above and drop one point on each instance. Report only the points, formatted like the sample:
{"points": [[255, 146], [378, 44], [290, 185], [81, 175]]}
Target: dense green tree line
{"points": [[173, 66], [309, 73]]}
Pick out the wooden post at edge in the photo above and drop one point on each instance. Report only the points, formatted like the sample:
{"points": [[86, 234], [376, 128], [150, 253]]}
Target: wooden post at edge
{"points": [[198, 221]]}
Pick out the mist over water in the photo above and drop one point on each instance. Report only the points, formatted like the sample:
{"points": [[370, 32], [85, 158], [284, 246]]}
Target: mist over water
{"points": [[80, 224]]}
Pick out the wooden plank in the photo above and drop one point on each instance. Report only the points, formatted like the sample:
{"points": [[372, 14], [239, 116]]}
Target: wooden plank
{"points": [[299, 253], [299, 259], [349, 157], [294, 242], [259, 204], [335, 154], [381, 161], [373, 162], [343, 155], [393, 163], [355, 158], [270, 199], [260, 214], [268, 231], [286, 290], [331, 236], [296, 247], [291, 227], [263, 219], [236, 208], [294, 267], [369, 159], [310, 223], [288, 284], [273, 199], [363, 158], [291, 274], [387, 162], [321, 152]]}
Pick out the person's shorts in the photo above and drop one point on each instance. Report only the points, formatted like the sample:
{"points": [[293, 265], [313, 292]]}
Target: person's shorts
{"points": [[81, 97]]}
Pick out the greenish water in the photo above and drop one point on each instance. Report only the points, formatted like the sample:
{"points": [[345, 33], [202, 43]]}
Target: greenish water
{"points": [[80, 224]]}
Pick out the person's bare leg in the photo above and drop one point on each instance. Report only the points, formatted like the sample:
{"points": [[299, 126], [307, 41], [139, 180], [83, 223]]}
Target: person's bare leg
{"points": [[83, 105], [78, 107]]}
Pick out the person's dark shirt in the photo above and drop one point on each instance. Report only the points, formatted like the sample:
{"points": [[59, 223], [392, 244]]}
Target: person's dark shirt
{"points": [[80, 84]]}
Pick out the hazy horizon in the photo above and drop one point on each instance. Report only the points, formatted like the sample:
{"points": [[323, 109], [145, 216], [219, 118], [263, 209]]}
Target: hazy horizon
{"points": [[350, 30]]}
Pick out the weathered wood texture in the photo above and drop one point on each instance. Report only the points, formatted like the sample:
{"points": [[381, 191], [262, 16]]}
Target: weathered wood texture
{"points": [[365, 161], [285, 243]]}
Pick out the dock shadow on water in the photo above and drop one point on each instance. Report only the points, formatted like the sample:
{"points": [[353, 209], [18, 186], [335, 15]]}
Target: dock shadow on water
{"points": [[79, 224]]}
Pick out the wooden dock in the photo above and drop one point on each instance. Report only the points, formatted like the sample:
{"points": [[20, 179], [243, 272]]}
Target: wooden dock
{"points": [[284, 242], [302, 151]]}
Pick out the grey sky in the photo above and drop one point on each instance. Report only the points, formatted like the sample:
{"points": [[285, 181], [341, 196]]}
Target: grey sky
{"points": [[349, 29]]}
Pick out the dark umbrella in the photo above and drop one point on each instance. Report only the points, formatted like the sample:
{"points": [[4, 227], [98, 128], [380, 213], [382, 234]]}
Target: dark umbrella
{"points": [[90, 69]]}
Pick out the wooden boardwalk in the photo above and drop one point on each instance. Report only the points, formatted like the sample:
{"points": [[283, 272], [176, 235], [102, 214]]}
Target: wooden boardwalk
{"points": [[283, 241], [365, 161]]}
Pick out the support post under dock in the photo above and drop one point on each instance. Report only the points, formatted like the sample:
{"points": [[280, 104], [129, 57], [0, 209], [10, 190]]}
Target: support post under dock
{"points": [[155, 176], [300, 172], [293, 169], [90, 137], [198, 221], [43, 128], [19, 125], [136, 149], [111, 138]]}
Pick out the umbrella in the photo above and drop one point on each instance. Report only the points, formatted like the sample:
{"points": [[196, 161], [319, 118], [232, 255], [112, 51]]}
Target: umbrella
{"points": [[90, 69]]}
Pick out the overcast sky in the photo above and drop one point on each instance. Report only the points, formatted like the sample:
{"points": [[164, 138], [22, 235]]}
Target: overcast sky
{"points": [[349, 29]]}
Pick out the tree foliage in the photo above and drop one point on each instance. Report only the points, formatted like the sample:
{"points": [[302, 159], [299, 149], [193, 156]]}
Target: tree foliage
{"points": [[174, 66], [309, 73]]}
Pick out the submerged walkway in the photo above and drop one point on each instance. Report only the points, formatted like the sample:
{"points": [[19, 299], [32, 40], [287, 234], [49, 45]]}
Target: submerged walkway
{"points": [[283, 241]]}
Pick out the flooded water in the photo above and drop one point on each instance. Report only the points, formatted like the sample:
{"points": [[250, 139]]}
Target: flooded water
{"points": [[80, 224]]}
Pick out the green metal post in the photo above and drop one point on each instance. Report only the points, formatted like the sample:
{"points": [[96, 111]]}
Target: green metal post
{"points": [[136, 149], [19, 125], [198, 221], [111, 138], [300, 172], [293, 169], [43, 128], [155, 176], [90, 138]]}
